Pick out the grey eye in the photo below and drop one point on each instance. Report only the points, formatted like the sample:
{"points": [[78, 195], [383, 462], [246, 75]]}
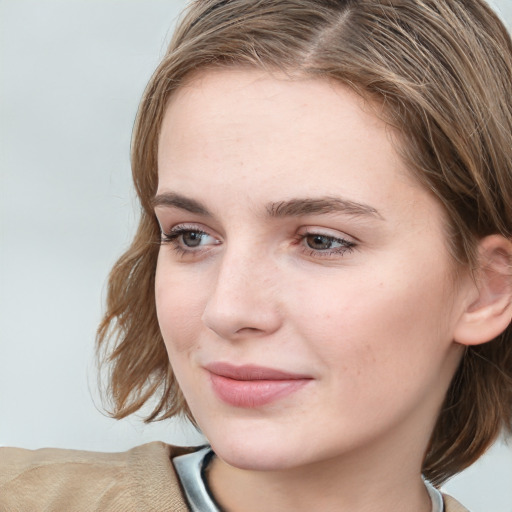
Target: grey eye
{"points": [[192, 238], [320, 242]]}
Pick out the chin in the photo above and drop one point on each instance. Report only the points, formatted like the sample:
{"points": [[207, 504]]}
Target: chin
{"points": [[257, 445], [250, 446], [253, 457]]}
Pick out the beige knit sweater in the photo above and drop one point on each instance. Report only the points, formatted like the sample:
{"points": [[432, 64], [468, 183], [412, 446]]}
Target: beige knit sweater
{"points": [[139, 480]]}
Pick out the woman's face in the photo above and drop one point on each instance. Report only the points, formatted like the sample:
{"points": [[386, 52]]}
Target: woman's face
{"points": [[304, 289]]}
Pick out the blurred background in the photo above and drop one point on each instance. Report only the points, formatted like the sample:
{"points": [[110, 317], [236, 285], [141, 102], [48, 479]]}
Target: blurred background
{"points": [[72, 73]]}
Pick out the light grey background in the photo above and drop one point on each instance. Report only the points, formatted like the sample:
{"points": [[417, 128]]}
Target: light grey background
{"points": [[72, 73]]}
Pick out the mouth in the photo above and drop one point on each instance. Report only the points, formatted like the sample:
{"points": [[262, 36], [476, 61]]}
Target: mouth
{"points": [[250, 386]]}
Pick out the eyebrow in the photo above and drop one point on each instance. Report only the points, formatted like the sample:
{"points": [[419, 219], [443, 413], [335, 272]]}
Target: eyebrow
{"points": [[290, 208], [322, 205], [173, 200]]}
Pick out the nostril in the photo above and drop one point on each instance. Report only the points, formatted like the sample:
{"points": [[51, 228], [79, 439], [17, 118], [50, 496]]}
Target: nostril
{"points": [[249, 330]]}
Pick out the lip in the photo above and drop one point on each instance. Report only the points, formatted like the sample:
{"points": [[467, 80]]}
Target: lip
{"points": [[251, 386]]}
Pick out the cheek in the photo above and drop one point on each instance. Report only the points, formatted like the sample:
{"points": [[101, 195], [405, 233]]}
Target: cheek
{"points": [[388, 325], [179, 308]]}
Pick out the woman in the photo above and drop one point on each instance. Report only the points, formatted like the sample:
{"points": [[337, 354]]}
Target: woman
{"points": [[321, 276]]}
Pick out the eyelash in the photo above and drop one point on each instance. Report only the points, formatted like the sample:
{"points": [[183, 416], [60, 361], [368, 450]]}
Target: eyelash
{"points": [[173, 239], [345, 246]]}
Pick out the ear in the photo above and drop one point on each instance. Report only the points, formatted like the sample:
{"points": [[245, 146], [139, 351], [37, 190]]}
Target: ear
{"points": [[489, 302]]}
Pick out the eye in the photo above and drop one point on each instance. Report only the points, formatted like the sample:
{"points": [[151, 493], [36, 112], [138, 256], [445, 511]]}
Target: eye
{"points": [[322, 242], [193, 238], [320, 245], [188, 239]]}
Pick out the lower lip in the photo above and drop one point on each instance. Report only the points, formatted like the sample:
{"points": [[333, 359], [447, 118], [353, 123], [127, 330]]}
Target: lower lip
{"points": [[253, 393]]}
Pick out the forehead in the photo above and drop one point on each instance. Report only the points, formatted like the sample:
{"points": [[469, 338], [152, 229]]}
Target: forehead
{"points": [[247, 137], [251, 112], [237, 96]]}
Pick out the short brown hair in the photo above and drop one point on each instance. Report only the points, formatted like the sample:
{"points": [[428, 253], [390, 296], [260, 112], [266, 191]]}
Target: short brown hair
{"points": [[443, 71]]}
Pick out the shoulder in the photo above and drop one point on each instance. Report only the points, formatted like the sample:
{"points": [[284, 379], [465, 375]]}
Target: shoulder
{"points": [[452, 505], [142, 478]]}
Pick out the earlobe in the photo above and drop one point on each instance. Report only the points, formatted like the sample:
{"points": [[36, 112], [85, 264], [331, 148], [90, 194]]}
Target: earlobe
{"points": [[489, 310]]}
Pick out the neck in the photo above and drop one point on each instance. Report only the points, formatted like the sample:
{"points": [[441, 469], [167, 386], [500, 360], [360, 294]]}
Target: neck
{"points": [[352, 484]]}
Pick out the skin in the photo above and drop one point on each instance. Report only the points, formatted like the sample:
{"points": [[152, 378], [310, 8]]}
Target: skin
{"points": [[368, 311]]}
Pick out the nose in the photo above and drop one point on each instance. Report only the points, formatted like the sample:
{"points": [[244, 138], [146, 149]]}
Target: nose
{"points": [[244, 298]]}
